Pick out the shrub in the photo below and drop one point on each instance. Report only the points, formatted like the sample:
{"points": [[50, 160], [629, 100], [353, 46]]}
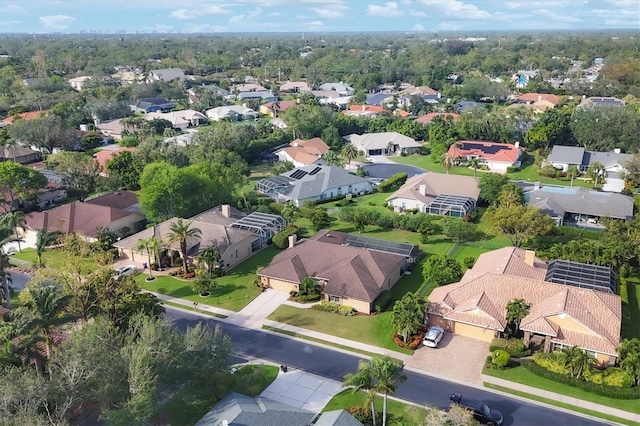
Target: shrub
{"points": [[177, 262], [346, 311], [334, 308], [548, 171], [553, 362], [468, 262], [190, 275], [514, 347], [345, 202], [276, 207], [500, 358], [393, 182], [598, 389], [413, 342], [363, 415], [512, 169], [612, 376], [307, 298], [281, 239]]}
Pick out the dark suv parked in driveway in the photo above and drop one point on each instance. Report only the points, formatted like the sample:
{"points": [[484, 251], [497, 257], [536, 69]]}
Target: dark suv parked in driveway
{"points": [[481, 411]]}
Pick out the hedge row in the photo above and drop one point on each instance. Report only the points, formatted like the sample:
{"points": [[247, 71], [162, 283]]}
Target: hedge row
{"points": [[514, 347], [608, 391], [334, 308], [281, 239], [394, 181]]}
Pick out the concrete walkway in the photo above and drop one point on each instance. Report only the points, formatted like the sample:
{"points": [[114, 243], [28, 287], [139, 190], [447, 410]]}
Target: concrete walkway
{"points": [[255, 313]]}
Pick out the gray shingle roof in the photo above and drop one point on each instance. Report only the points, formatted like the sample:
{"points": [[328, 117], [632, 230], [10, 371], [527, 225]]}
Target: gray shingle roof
{"points": [[583, 201], [169, 74], [607, 159], [337, 418], [567, 154], [578, 155], [237, 409]]}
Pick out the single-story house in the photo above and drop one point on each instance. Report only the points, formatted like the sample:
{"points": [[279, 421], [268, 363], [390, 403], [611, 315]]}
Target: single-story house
{"points": [[563, 157], [31, 115], [311, 183], [342, 88], [437, 193], [165, 74], [385, 143], [79, 82], [19, 154], [560, 315], [86, 217], [295, 86], [105, 155], [198, 90], [236, 235], [497, 156], [323, 95], [182, 119], [379, 99], [248, 87], [272, 109], [232, 113], [303, 152], [370, 111], [337, 418], [425, 93], [579, 206], [155, 104], [350, 273], [238, 409], [428, 118], [263, 95], [546, 99], [601, 101], [112, 128]]}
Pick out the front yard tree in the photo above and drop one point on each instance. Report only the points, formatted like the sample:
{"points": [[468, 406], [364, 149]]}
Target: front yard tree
{"points": [[629, 358], [18, 182], [441, 270], [211, 258], [145, 245], [79, 169], [428, 228], [459, 230], [126, 169], [511, 195], [386, 372], [517, 309], [597, 173], [349, 153], [577, 361], [290, 211], [319, 219], [44, 239], [519, 223], [309, 286], [362, 380], [408, 315], [491, 185], [179, 232]]}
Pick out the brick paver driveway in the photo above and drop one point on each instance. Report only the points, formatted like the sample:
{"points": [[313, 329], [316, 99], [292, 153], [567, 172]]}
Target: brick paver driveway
{"points": [[457, 357]]}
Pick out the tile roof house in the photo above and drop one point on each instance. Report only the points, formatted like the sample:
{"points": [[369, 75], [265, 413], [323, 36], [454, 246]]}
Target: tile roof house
{"points": [[272, 109], [248, 87], [428, 118], [182, 119], [79, 82], [105, 155], [19, 154], [165, 74], [295, 86], [497, 156], [112, 128], [371, 111], [384, 143], [351, 276], [314, 182], [85, 217], [265, 95], [232, 113], [31, 115], [545, 99], [437, 193], [242, 410], [304, 152], [560, 315]]}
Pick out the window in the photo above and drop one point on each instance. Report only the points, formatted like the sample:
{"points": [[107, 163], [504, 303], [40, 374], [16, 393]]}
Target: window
{"points": [[350, 189], [334, 299], [339, 192]]}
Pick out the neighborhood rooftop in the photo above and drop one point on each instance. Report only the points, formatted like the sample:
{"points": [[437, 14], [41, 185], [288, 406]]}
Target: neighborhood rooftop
{"points": [[581, 201]]}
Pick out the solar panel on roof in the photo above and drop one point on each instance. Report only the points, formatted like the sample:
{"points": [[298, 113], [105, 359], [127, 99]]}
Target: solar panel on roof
{"points": [[298, 174], [487, 149], [314, 171]]}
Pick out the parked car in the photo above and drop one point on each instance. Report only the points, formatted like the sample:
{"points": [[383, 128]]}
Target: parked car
{"points": [[481, 411], [433, 336], [124, 271]]}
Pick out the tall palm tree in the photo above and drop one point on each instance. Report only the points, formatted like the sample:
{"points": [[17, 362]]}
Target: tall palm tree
{"points": [[211, 258], [363, 380], [332, 159], [9, 145], [145, 244], [15, 221], [387, 372], [596, 171], [349, 152], [290, 211], [577, 361], [6, 237], [43, 310], [573, 173], [517, 309], [474, 163], [447, 163], [275, 107], [44, 239], [629, 358], [179, 231]]}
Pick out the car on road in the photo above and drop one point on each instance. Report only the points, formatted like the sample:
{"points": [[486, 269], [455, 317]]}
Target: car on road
{"points": [[124, 271], [433, 336], [481, 411]]}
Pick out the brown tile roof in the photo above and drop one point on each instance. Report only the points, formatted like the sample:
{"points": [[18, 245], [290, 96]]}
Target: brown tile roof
{"points": [[105, 155], [313, 146], [300, 155], [491, 151], [437, 184], [510, 261], [282, 105], [26, 116], [119, 200], [428, 118], [482, 299], [535, 97], [352, 272]]}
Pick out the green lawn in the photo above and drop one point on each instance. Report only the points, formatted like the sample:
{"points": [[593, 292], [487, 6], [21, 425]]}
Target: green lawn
{"points": [[398, 413], [51, 258], [523, 376], [235, 291], [630, 295], [373, 330], [192, 402]]}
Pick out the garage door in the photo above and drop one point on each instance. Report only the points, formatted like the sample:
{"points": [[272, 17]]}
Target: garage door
{"points": [[480, 333]]}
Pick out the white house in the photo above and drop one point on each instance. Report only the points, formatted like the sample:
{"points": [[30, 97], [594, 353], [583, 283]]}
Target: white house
{"points": [[79, 82], [232, 113], [385, 143], [179, 119]]}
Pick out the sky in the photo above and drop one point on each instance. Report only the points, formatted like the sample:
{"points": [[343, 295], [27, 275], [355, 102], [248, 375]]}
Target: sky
{"points": [[195, 16]]}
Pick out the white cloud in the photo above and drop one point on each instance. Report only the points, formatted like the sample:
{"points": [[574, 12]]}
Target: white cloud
{"points": [[457, 9], [389, 9], [418, 27], [328, 13], [10, 8], [236, 19], [556, 17], [315, 25], [206, 28], [57, 22], [622, 23], [197, 12], [406, 2]]}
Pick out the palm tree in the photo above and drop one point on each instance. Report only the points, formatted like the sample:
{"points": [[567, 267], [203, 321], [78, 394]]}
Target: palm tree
{"points": [[517, 309], [275, 107], [179, 231], [629, 358], [573, 173], [145, 244], [332, 159], [290, 211], [474, 163], [6, 237], [577, 361], [363, 380], [9, 145], [43, 310], [349, 152], [596, 171], [43, 240], [15, 221], [386, 372], [447, 163], [211, 258]]}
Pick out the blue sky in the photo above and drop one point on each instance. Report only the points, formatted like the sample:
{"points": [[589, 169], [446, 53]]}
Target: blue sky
{"points": [[36, 16]]}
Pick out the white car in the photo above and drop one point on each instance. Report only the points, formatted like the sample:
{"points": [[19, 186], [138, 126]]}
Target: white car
{"points": [[433, 336], [124, 271]]}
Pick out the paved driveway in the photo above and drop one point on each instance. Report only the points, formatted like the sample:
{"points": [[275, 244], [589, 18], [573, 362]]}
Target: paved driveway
{"points": [[385, 171], [457, 358]]}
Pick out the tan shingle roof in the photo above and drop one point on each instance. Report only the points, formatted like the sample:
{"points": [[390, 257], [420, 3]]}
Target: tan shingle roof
{"points": [[437, 184]]}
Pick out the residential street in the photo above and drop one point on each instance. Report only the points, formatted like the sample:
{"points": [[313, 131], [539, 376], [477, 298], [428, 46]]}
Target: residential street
{"points": [[334, 364]]}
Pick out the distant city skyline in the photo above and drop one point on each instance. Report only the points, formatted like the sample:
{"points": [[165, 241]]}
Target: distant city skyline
{"points": [[187, 16]]}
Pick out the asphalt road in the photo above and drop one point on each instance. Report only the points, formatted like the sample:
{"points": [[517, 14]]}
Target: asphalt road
{"points": [[418, 388]]}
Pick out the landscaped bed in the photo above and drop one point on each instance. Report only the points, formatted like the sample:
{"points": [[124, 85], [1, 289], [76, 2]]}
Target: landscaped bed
{"points": [[235, 289]]}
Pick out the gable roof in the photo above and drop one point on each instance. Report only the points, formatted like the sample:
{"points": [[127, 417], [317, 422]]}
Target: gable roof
{"points": [[369, 141], [17, 152], [511, 261], [583, 201], [238, 409], [601, 101], [490, 151], [26, 116], [176, 118], [105, 155], [124, 200], [306, 152], [536, 97], [263, 94], [326, 178], [481, 300], [350, 271], [223, 111], [281, 105], [249, 87], [300, 86], [428, 118], [169, 74], [567, 154], [337, 418], [437, 184]]}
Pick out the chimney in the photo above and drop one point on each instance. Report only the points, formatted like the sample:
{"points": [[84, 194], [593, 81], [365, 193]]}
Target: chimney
{"points": [[293, 239], [226, 210], [364, 108], [529, 257], [96, 121], [539, 97], [616, 151], [423, 190], [517, 144]]}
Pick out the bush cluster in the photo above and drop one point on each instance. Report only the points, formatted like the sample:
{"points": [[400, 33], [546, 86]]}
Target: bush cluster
{"points": [[281, 239], [363, 415], [412, 344], [276, 207], [514, 347], [612, 376], [553, 362], [306, 298], [512, 169], [599, 389], [393, 182], [334, 308], [500, 358]]}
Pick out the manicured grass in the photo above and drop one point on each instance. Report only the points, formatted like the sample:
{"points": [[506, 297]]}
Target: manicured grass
{"points": [[235, 289], [561, 404], [523, 376], [630, 295], [52, 258], [200, 311], [191, 402], [373, 330], [398, 413]]}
